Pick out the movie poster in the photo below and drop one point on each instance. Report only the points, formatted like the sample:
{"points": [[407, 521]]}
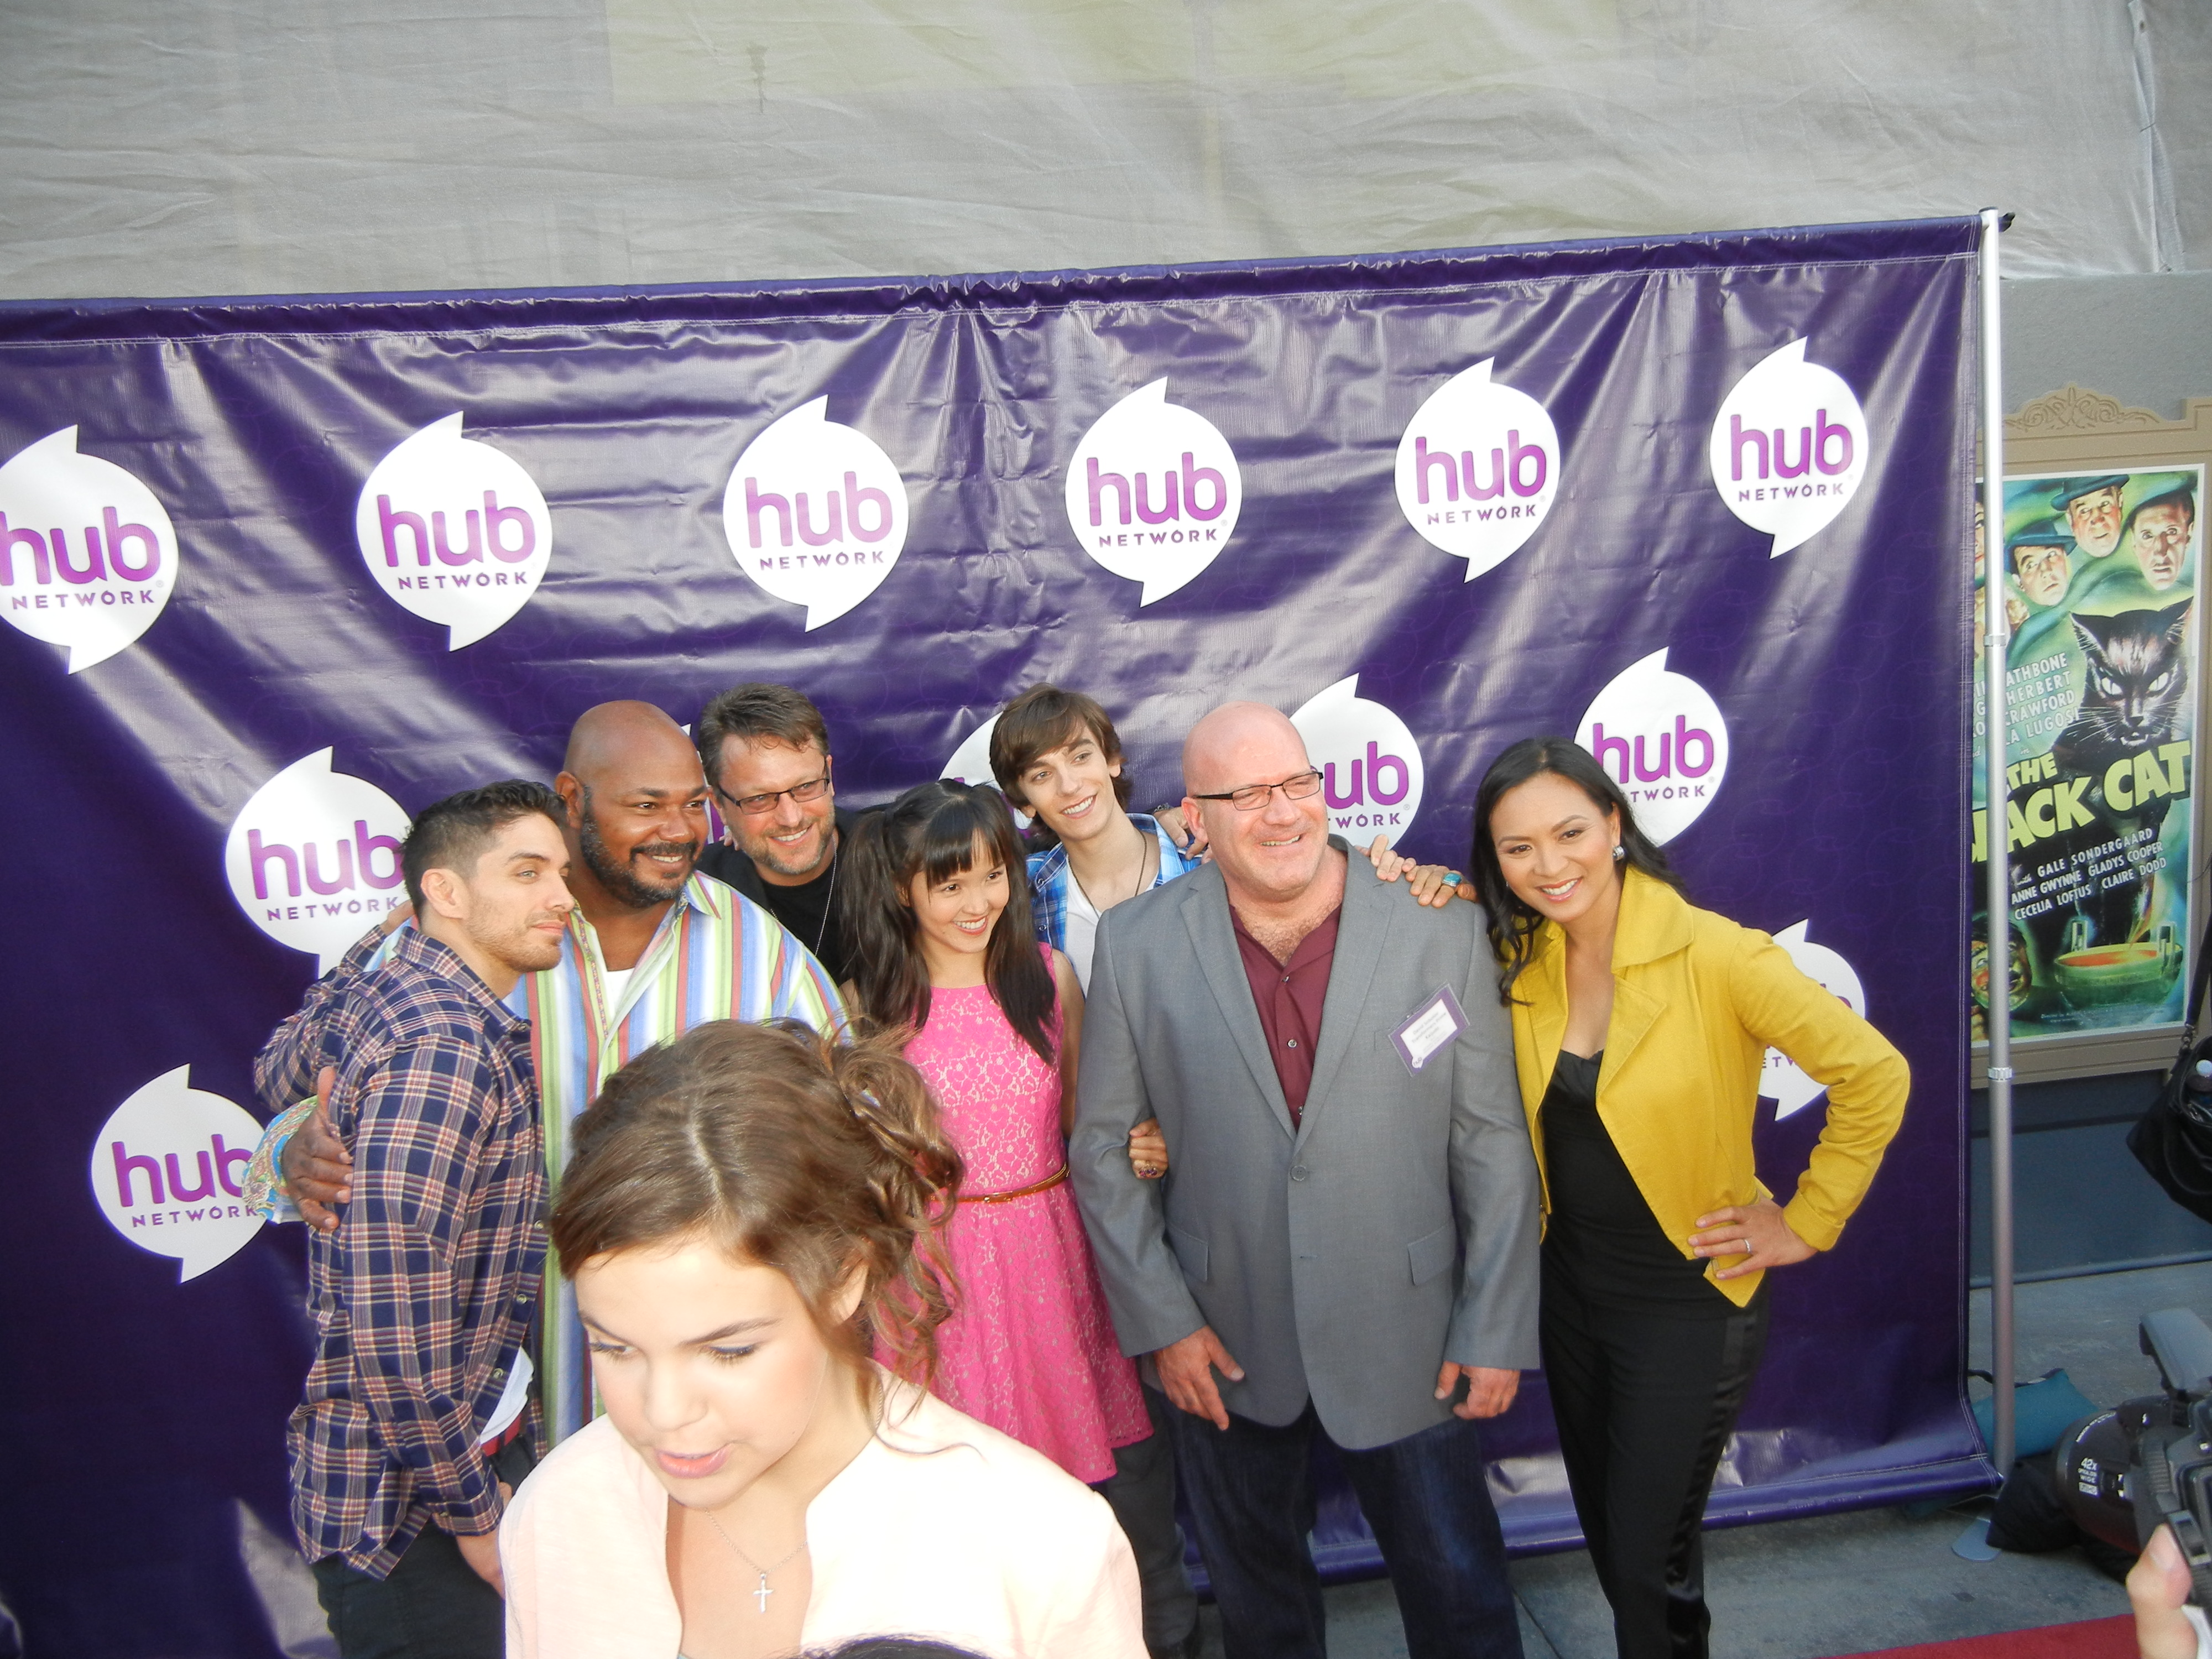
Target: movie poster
{"points": [[2099, 575]]}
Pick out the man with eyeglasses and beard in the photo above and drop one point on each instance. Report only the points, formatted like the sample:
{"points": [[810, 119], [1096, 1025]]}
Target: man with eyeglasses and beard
{"points": [[765, 750], [654, 947]]}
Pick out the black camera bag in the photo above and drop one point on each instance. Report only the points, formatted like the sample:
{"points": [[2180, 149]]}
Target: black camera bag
{"points": [[2173, 1140]]}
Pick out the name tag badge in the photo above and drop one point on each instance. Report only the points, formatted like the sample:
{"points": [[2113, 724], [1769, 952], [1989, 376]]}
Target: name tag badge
{"points": [[1430, 1030]]}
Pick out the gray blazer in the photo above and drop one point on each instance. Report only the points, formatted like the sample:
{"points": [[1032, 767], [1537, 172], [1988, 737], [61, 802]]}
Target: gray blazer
{"points": [[1344, 1261]]}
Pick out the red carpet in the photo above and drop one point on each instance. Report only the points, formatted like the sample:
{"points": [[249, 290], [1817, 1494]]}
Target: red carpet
{"points": [[2100, 1638]]}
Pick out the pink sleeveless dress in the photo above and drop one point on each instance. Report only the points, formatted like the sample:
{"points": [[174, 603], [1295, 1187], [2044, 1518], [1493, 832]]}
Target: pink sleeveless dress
{"points": [[1030, 1349]]}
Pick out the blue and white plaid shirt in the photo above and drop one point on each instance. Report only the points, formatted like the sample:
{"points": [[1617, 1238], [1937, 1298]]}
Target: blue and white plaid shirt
{"points": [[1049, 880]]}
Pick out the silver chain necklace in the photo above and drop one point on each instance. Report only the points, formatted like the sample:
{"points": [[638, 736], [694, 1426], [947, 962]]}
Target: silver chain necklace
{"points": [[760, 1592], [1144, 860]]}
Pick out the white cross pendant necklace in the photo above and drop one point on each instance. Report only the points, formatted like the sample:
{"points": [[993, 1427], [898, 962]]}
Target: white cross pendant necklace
{"points": [[761, 1592]]}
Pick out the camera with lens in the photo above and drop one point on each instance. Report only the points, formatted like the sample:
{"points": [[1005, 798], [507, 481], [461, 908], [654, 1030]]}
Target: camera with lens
{"points": [[2147, 1462]]}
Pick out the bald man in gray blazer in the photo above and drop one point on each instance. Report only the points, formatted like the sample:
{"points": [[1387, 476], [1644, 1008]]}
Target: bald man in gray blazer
{"points": [[1345, 1242]]}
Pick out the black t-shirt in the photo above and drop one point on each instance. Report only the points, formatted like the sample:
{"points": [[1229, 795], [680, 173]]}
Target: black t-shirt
{"points": [[806, 911], [1602, 1234]]}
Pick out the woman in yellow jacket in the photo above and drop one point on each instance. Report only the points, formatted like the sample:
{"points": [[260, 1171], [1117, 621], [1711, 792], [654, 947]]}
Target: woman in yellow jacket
{"points": [[1640, 1025]]}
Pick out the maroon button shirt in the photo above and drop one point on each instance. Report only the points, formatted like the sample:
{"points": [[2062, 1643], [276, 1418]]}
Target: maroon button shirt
{"points": [[1289, 996]]}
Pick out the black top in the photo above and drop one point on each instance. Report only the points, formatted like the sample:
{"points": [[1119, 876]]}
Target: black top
{"points": [[805, 910], [1602, 1234]]}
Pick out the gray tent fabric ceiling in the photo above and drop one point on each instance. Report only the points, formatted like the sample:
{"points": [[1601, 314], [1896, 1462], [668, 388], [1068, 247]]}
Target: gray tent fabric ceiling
{"points": [[249, 146]]}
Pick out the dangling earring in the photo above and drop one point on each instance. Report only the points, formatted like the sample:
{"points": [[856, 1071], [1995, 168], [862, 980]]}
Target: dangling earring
{"points": [[1619, 851]]}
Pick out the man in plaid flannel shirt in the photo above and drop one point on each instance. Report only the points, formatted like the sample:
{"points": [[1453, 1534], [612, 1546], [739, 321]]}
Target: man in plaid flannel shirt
{"points": [[415, 1423]]}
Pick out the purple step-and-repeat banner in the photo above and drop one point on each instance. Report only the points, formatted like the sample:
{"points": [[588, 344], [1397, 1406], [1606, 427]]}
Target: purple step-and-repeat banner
{"points": [[278, 572]]}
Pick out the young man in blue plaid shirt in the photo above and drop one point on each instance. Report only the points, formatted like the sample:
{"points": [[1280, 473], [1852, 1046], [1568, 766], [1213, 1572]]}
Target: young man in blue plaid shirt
{"points": [[417, 1422], [1057, 756]]}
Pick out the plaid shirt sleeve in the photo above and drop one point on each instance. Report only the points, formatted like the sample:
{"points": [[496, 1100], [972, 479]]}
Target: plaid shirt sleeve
{"points": [[284, 1070], [1049, 897], [420, 1117]]}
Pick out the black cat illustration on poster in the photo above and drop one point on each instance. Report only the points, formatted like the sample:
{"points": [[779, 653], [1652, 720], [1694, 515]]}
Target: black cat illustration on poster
{"points": [[2134, 703], [2135, 695]]}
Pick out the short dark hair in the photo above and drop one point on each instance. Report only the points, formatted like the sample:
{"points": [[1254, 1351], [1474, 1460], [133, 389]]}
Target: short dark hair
{"points": [[451, 834], [751, 712], [1043, 719]]}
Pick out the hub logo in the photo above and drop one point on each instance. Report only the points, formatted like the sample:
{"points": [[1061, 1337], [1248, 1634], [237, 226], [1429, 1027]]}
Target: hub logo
{"points": [[1781, 1081], [816, 513], [167, 1168], [1369, 765], [87, 556], [1478, 469], [314, 858], [1663, 739], [454, 530], [1789, 448], [1153, 492]]}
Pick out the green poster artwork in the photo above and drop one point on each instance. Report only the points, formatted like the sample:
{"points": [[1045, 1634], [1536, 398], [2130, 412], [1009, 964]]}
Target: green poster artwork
{"points": [[2099, 575]]}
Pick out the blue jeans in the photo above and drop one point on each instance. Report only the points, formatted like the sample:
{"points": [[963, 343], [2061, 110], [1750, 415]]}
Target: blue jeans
{"points": [[1251, 1494]]}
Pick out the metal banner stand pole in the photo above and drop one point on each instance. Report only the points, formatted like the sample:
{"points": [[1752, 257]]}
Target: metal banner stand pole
{"points": [[1997, 840], [1997, 792]]}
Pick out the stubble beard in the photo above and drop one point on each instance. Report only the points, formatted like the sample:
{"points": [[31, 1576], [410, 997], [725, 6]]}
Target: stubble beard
{"points": [[619, 877]]}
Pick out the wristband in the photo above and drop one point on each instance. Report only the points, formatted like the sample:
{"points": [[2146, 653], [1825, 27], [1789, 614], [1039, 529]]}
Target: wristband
{"points": [[262, 1187]]}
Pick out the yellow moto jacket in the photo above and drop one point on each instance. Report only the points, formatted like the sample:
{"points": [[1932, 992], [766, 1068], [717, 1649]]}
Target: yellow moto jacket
{"points": [[1696, 1001]]}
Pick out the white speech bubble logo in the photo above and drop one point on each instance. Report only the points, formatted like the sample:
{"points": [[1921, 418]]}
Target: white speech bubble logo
{"points": [[454, 530], [314, 858], [1370, 767], [1153, 492], [1789, 448], [1662, 739], [1478, 469], [816, 513], [166, 1170], [1781, 1081], [87, 556], [971, 763]]}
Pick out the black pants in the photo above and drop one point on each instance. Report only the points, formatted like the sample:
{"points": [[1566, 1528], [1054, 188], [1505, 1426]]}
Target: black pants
{"points": [[1645, 1404], [1427, 1498], [431, 1605], [1142, 1490]]}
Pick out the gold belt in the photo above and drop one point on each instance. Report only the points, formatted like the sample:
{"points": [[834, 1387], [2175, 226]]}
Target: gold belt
{"points": [[1045, 1186]]}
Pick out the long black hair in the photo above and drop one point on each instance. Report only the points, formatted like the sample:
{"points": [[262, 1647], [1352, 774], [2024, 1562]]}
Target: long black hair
{"points": [[1513, 923], [930, 831]]}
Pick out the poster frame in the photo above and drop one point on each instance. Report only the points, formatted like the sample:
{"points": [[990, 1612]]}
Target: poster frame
{"points": [[2077, 429]]}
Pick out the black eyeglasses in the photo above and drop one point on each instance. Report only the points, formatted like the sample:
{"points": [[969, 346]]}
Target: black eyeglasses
{"points": [[754, 805], [1254, 796]]}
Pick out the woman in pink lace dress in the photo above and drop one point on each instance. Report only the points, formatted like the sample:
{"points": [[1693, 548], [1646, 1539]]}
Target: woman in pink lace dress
{"points": [[938, 916]]}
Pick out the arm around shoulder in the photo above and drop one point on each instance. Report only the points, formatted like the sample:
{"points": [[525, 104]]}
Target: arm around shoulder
{"points": [[284, 1070]]}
